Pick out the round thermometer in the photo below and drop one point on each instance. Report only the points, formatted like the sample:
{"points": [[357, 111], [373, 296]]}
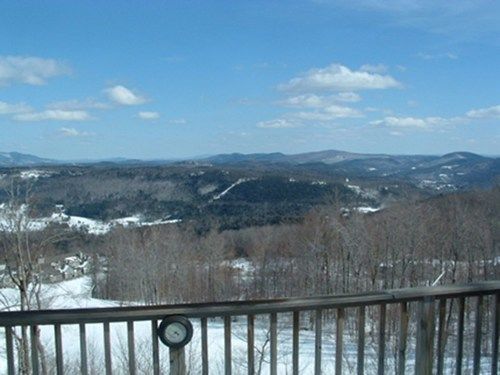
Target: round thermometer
{"points": [[175, 331]]}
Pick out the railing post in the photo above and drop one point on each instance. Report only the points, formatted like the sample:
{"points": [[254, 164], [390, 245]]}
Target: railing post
{"points": [[403, 336], [34, 349], [425, 337], [177, 361], [381, 339], [441, 340], [477, 336], [274, 344], [460, 335], [318, 342], [11, 369], [495, 334], [227, 345], [295, 343], [361, 341], [107, 349], [155, 348], [204, 346]]}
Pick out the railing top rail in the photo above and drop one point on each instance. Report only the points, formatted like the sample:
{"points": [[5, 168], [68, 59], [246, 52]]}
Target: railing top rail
{"points": [[196, 310]]}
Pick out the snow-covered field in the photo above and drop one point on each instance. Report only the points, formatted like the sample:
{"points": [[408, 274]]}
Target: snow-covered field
{"points": [[91, 226], [76, 293]]}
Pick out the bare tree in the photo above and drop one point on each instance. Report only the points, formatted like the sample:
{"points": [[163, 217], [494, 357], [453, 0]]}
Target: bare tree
{"points": [[21, 248]]}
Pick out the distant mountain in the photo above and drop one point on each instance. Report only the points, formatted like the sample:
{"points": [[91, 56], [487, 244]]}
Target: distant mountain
{"points": [[236, 158], [326, 157], [443, 173], [458, 169], [242, 190], [15, 159], [452, 171]]}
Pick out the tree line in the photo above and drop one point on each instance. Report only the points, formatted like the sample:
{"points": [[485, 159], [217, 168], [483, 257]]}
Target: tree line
{"points": [[453, 238]]}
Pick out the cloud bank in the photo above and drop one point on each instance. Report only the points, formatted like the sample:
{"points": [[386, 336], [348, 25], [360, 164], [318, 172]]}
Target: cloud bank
{"points": [[30, 70], [149, 115], [336, 77], [123, 96], [53, 114]]}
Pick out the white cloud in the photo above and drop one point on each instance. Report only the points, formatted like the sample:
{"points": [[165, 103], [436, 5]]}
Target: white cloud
{"points": [[29, 70], [69, 105], [396, 133], [379, 68], [460, 20], [319, 101], [329, 113], [178, 121], [417, 122], [279, 123], [485, 113], [436, 56], [53, 114], [124, 96], [149, 115], [433, 123], [9, 109], [337, 77], [348, 97], [72, 132]]}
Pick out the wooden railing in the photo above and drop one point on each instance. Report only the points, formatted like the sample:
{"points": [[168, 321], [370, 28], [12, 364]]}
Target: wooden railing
{"points": [[432, 304]]}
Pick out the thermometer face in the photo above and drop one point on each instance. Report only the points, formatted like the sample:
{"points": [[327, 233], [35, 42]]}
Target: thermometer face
{"points": [[175, 332]]}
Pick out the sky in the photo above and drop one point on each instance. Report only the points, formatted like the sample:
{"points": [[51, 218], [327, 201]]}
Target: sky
{"points": [[177, 79]]}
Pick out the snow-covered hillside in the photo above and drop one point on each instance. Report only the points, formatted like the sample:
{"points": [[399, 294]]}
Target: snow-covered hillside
{"points": [[92, 226]]}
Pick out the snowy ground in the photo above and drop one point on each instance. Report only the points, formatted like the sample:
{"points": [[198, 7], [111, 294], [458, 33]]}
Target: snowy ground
{"points": [[76, 293], [91, 226]]}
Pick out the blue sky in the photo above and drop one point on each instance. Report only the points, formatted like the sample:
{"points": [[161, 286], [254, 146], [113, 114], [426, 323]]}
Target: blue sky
{"points": [[161, 79]]}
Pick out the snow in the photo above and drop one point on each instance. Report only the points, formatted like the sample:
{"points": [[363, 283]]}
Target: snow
{"points": [[92, 226], [197, 174], [243, 265], [34, 174], [76, 293], [438, 185], [318, 182], [127, 220], [368, 193], [76, 222], [160, 222], [240, 181], [367, 209], [207, 189], [355, 188], [69, 294]]}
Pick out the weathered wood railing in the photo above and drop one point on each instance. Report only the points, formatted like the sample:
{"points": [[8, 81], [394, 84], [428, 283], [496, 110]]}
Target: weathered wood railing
{"points": [[430, 340]]}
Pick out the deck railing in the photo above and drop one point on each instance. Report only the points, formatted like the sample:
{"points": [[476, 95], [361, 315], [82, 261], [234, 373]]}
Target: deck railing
{"points": [[432, 306]]}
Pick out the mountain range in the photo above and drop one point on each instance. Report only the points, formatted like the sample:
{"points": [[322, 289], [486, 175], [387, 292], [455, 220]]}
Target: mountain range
{"points": [[239, 190], [16, 159], [449, 171]]}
